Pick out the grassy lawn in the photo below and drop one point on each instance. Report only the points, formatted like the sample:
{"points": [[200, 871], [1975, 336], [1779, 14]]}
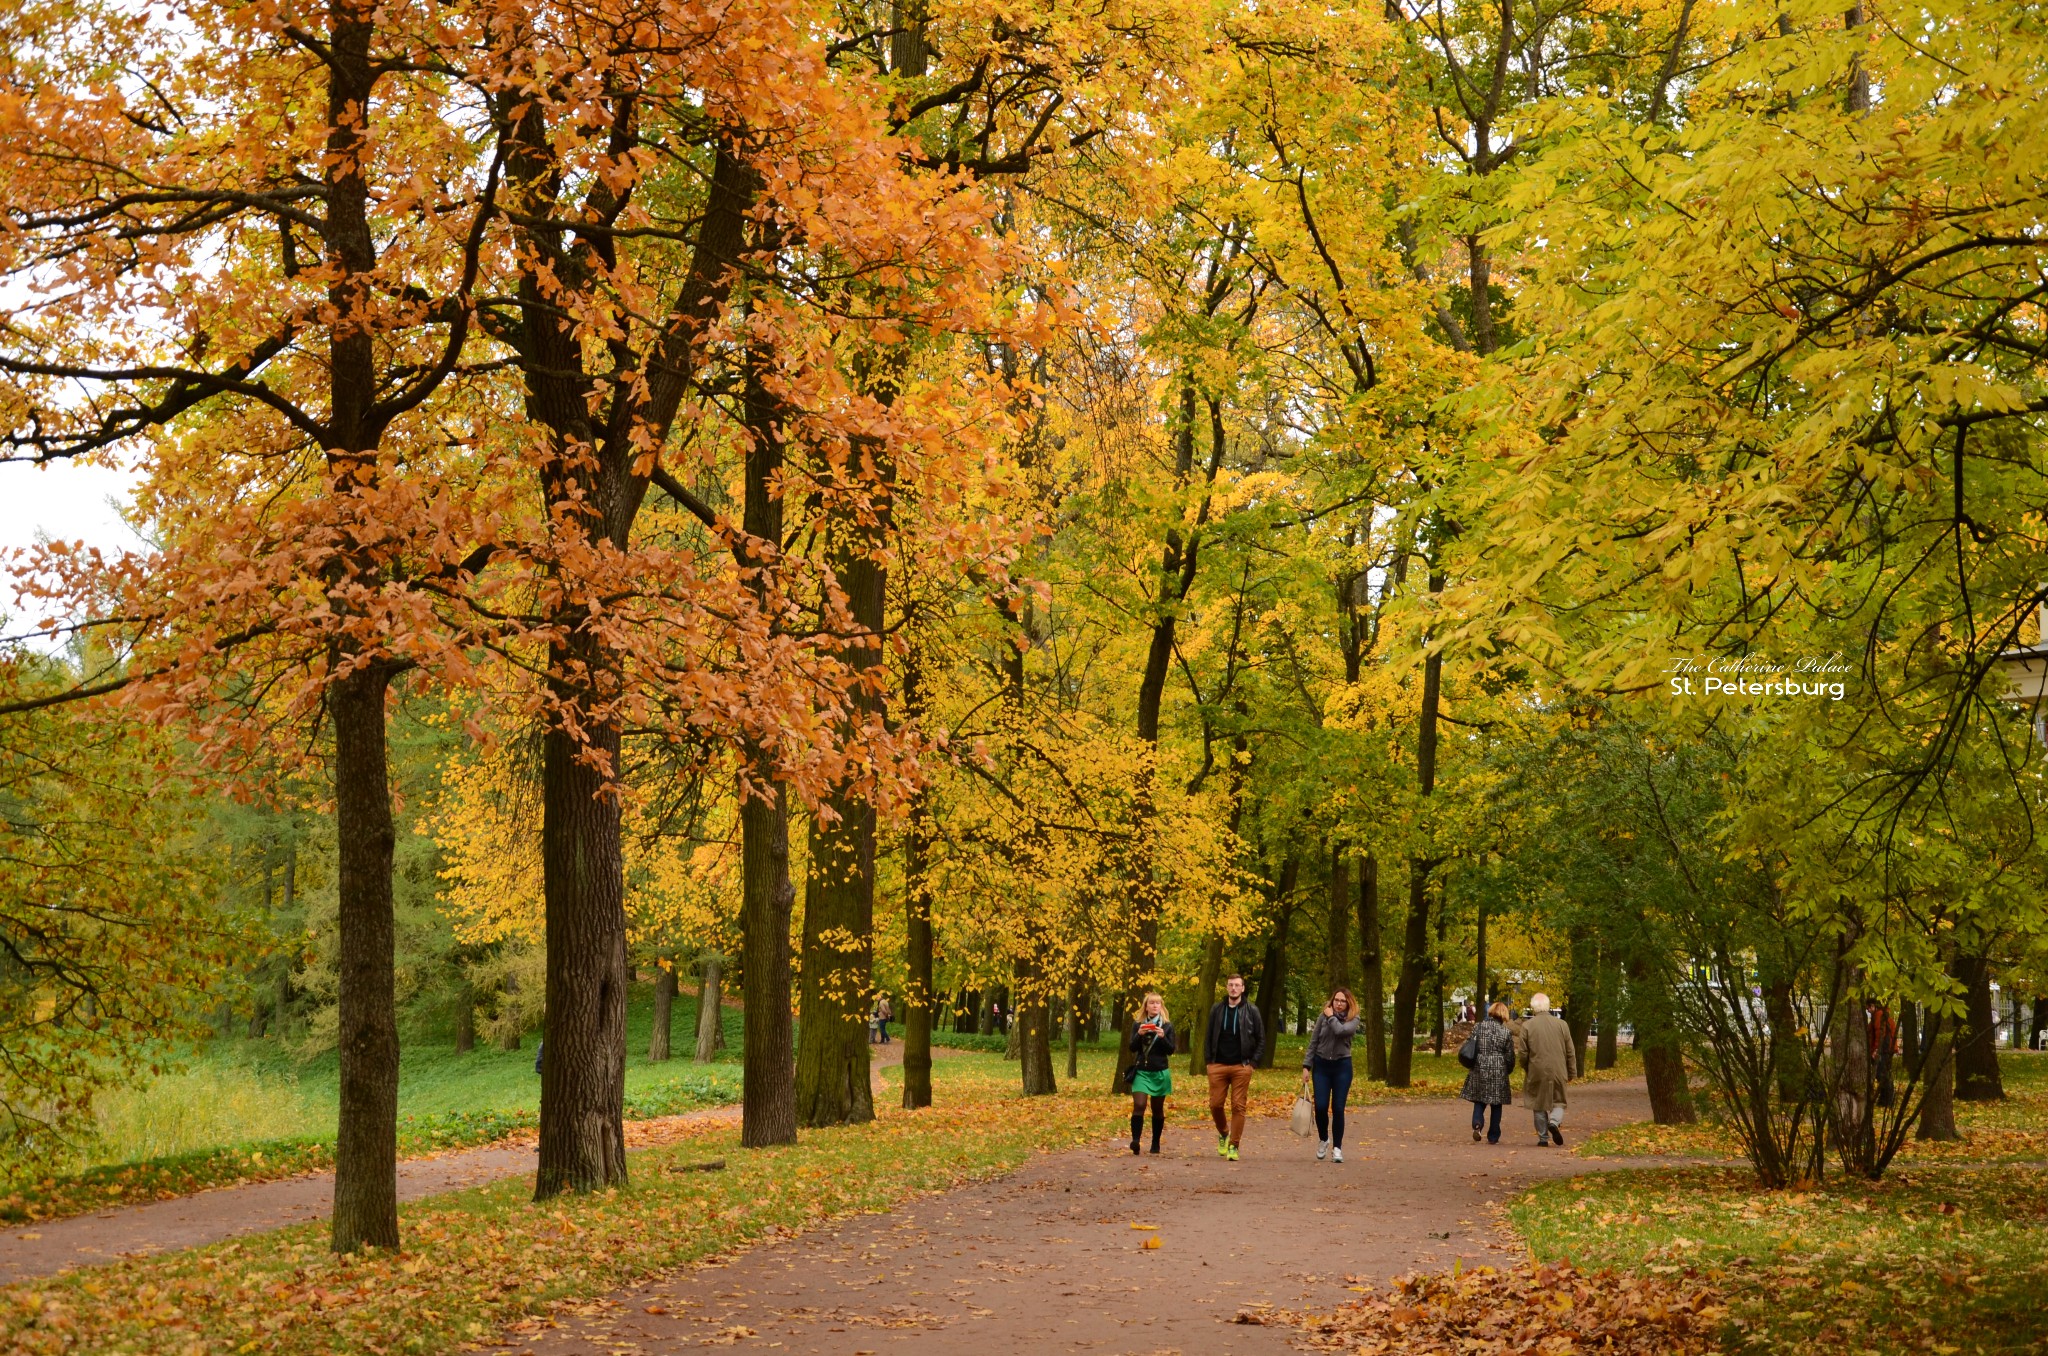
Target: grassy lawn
{"points": [[2012, 1131], [250, 1111], [481, 1261], [1948, 1254]]}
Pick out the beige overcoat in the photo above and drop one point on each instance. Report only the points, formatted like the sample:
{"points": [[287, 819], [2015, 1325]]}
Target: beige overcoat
{"points": [[1545, 1047]]}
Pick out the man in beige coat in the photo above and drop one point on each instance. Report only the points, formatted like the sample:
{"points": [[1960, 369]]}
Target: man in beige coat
{"points": [[1548, 1053]]}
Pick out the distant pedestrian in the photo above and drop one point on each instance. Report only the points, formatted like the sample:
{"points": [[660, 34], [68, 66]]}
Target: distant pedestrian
{"points": [[997, 1017], [1151, 1043], [1489, 1084], [1551, 1057], [883, 1013], [1884, 1043], [1326, 1064], [1237, 1041]]}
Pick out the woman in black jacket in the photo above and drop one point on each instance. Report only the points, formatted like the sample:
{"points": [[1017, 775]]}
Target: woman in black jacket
{"points": [[1151, 1077]]}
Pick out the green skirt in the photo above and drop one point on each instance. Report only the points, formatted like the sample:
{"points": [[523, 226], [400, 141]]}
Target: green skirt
{"points": [[1152, 1082]]}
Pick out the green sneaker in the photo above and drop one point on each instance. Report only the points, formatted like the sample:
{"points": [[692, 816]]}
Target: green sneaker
{"points": [[1231, 1153], [1223, 1146]]}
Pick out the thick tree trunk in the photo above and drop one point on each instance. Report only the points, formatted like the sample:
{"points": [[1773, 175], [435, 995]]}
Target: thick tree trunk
{"points": [[1415, 968], [1607, 1049], [1034, 1028], [1196, 1029], [1664, 1071], [832, 1080], [1273, 982], [1371, 970], [1657, 1039], [1580, 1000], [1938, 1102], [366, 1145], [767, 1055], [918, 998], [659, 1039], [1976, 1051], [2039, 1026], [1909, 1038], [1337, 951], [583, 1077], [711, 1008]]}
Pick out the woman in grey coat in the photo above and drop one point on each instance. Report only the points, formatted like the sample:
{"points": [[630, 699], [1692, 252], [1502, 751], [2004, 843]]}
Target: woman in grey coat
{"points": [[1326, 1064], [1487, 1085]]}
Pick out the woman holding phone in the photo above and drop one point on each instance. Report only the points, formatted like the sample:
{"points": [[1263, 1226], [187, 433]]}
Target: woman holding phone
{"points": [[1151, 1075], [1326, 1064]]}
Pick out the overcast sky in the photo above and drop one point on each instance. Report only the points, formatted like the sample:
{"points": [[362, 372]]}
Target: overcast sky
{"points": [[61, 501]]}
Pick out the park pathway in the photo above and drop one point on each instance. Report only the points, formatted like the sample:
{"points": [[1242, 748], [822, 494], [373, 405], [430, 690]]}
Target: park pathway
{"points": [[229, 1212], [1044, 1262]]}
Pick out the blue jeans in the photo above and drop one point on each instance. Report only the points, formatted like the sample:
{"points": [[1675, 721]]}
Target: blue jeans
{"points": [[1479, 1110], [1333, 1089]]}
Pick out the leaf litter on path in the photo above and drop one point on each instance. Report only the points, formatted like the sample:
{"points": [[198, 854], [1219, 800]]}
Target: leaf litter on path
{"points": [[1531, 1308]]}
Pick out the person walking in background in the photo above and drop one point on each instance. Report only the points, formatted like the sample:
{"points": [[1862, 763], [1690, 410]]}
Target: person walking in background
{"points": [[1326, 1063], [1489, 1084], [883, 1012], [1237, 1039], [1551, 1057], [1884, 1043], [1151, 1043]]}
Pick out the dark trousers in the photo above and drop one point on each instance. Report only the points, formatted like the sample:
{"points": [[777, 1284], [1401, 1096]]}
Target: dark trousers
{"points": [[1479, 1110], [1332, 1079]]}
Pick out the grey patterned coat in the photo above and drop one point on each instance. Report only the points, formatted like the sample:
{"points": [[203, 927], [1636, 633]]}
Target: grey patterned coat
{"points": [[1487, 1083]]}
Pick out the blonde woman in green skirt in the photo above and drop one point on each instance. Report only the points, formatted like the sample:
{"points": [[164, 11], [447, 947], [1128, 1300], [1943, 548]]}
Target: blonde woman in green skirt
{"points": [[1151, 1076]]}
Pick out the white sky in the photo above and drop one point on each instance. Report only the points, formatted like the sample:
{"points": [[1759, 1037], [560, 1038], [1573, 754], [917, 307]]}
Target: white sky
{"points": [[61, 501]]}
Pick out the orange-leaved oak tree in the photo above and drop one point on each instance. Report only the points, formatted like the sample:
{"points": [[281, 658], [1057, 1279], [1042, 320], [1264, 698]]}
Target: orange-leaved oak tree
{"points": [[712, 230], [239, 246]]}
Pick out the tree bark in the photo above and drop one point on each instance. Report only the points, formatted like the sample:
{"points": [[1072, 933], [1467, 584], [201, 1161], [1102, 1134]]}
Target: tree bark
{"points": [[1976, 1049], [1938, 1102], [832, 1078], [1415, 959], [767, 1059], [1034, 1028], [711, 1008], [1664, 1071], [1197, 1026], [1607, 1050], [1371, 969], [583, 1077], [660, 1037], [1273, 977], [919, 998], [1579, 1001], [1337, 950], [366, 1144]]}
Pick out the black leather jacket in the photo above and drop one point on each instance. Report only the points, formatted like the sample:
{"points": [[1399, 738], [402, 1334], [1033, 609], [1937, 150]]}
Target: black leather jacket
{"points": [[1153, 1051]]}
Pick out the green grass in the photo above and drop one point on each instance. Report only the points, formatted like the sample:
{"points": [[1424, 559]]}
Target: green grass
{"points": [[1941, 1259], [249, 1111], [2012, 1131], [478, 1263]]}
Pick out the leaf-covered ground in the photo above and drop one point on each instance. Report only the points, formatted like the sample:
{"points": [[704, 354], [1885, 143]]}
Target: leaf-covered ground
{"points": [[479, 1261], [1935, 1258], [1531, 1308]]}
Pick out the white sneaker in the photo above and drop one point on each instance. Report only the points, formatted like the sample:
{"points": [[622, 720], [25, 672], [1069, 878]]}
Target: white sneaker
{"points": [[1338, 1154], [1322, 1150]]}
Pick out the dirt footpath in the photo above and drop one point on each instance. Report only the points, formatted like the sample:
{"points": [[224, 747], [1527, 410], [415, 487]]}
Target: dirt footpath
{"points": [[1046, 1260]]}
